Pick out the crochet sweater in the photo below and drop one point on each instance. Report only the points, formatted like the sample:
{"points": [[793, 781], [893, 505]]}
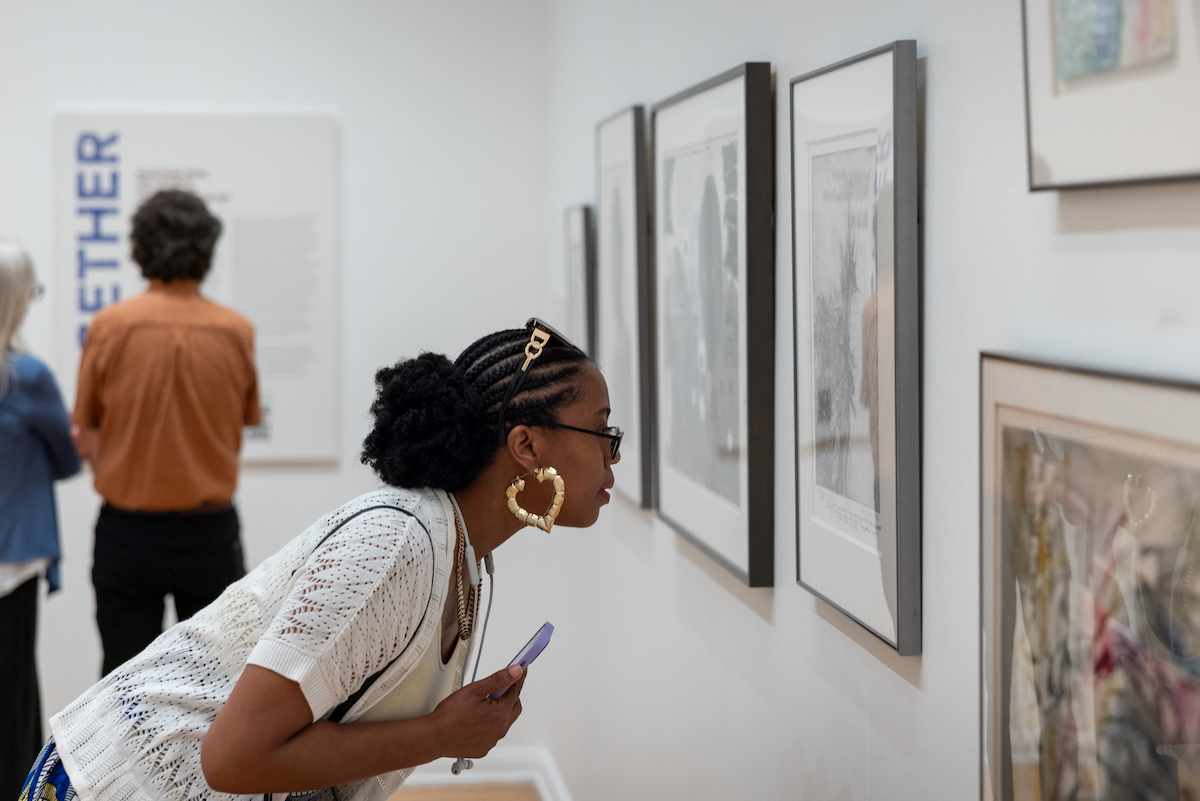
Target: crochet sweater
{"points": [[327, 615]]}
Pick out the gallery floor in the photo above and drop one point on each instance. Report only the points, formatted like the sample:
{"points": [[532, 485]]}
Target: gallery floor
{"points": [[469, 792]]}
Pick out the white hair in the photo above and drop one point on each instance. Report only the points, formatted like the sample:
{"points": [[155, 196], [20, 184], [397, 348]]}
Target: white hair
{"points": [[17, 281]]}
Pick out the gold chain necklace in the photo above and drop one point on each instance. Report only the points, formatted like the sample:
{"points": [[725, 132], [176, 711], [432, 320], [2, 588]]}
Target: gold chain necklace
{"points": [[466, 607]]}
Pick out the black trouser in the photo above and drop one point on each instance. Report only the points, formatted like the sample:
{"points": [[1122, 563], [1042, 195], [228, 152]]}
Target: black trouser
{"points": [[142, 556], [20, 705]]}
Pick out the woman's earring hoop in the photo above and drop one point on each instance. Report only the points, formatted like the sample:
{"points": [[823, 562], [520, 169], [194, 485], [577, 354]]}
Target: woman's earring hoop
{"points": [[544, 522]]}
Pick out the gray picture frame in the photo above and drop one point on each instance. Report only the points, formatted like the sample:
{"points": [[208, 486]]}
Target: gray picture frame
{"points": [[621, 148], [737, 534], [877, 583]]}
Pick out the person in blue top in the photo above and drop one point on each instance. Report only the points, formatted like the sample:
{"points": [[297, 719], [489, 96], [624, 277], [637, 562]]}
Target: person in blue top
{"points": [[35, 451]]}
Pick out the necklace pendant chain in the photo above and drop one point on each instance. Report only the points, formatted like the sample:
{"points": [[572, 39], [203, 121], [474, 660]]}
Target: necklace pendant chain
{"points": [[466, 604]]}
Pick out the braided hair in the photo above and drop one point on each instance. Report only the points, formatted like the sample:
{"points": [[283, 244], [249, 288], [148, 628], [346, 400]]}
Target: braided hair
{"points": [[436, 421]]}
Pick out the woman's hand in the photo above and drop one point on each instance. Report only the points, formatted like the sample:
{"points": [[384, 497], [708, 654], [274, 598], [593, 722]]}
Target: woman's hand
{"points": [[470, 723]]}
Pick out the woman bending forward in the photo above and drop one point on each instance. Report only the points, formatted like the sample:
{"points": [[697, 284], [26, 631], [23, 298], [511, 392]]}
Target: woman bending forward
{"points": [[365, 618]]}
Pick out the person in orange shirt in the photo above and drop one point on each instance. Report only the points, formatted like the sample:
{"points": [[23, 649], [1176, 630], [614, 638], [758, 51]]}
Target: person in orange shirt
{"points": [[166, 383]]}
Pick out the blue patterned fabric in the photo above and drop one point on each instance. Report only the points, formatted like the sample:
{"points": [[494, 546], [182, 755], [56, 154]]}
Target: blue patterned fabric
{"points": [[48, 780]]}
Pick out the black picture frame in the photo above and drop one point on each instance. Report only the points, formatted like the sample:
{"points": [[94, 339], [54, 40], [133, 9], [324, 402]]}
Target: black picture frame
{"points": [[621, 155], [739, 535], [845, 567]]}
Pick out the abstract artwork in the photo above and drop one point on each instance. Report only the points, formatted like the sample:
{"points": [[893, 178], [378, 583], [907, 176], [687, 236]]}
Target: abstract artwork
{"points": [[857, 352], [1112, 92], [714, 286], [1091, 606], [1093, 36], [624, 323], [579, 260]]}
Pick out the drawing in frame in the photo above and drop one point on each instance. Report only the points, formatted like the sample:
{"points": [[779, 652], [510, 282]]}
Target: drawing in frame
{"points": [[1112, 92], [579, 320], [856, 340], [714, 266], [1089, 598], [625, 296]]}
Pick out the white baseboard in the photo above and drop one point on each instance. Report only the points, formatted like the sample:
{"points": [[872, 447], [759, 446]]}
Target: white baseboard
{"points": [[504, 765]]}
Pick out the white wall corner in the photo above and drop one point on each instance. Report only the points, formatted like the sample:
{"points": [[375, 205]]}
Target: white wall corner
{"points": [[504, 765]]}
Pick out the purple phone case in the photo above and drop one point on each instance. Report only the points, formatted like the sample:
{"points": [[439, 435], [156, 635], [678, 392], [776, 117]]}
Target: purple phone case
{"points": [[529, 653]]}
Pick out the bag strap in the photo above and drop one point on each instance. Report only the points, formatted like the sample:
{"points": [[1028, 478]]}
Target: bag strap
{"points": [[363, 511], [340, 711]]}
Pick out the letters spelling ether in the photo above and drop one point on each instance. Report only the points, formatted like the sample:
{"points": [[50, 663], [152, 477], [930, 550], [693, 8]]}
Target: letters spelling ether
{"points": [[97, 193]]}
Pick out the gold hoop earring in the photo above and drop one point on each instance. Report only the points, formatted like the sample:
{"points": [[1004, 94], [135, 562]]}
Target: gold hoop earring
{"points": [[544, 522]]}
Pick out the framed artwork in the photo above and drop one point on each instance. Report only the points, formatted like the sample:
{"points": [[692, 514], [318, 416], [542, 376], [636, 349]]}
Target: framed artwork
{"points": [[625, 296], [1112, 91], [713, 155], [580, 264], [1090, 599], [857, 340]]}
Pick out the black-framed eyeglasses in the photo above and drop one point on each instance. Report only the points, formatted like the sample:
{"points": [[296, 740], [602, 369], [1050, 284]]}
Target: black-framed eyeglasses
{"points": [[37, 291], [541, 334], [612, 433]]}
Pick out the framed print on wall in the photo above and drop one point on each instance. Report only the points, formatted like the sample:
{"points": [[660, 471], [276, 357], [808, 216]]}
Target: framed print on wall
{"points": [[857, 340], [713, 155], [1090, 600], [1112, 90], [625, 296], [580, 264]]}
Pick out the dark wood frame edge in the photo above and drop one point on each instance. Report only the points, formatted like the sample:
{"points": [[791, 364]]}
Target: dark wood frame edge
{"points": [[589, 275], [908, 352]]}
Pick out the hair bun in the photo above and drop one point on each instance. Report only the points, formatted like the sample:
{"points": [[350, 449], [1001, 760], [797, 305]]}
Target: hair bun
{"points": [[429, 425]]}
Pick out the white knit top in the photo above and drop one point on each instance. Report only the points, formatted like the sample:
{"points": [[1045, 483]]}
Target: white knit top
{"points": [[327, 616]]}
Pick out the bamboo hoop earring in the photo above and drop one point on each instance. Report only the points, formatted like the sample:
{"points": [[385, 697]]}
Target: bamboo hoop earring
{"points": [[544, 522]]}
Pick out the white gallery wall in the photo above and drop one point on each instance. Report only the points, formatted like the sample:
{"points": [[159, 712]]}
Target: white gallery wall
{"points": [[669, 679], [466, 128]]}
